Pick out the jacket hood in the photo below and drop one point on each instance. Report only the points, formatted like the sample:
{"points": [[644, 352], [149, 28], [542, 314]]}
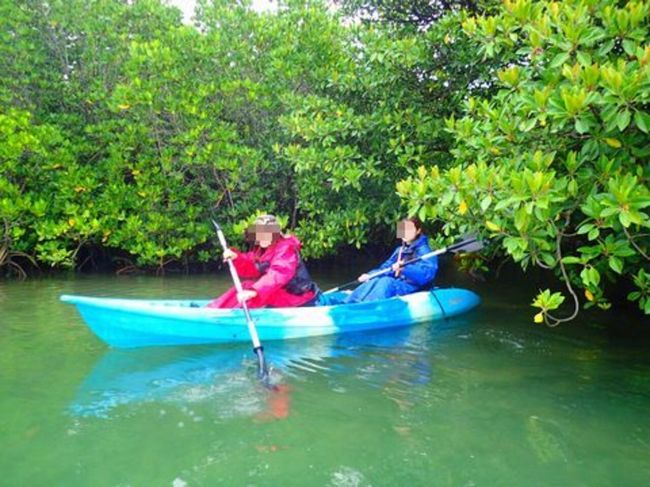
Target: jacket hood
{"points": [[421, 240], [284, 241], [291, 240]]}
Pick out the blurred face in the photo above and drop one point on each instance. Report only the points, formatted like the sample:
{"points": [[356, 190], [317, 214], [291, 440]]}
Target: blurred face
{"points": [[264, 234], [264, 239], [407, 231]]}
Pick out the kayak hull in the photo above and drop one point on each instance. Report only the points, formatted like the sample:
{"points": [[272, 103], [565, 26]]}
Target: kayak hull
{"points": [[127, 323]]}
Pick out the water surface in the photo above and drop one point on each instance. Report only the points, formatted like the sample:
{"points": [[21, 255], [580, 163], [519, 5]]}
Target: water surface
{"points": [[484, 399]]}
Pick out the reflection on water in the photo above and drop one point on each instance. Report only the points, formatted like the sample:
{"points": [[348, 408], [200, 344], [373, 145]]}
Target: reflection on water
{"points": [[224, 374]]}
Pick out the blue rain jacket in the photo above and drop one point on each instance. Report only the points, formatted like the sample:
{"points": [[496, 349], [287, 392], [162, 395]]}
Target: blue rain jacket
{"points": [[412, 278]]}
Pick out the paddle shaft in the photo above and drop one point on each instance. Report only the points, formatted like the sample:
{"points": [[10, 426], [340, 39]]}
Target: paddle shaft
{"points": [[428, 255], [257, 346]]}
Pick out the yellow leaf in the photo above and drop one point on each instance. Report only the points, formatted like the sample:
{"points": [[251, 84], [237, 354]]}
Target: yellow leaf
{"points": [[493, 227], [79, 189], [124, 106], [72, 222], [539, 317], [135, 172], [615, 143], [462, 208], [589, 295], [142, 193]]}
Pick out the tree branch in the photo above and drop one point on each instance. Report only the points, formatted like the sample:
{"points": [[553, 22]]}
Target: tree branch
{"points": [[549, 319]]}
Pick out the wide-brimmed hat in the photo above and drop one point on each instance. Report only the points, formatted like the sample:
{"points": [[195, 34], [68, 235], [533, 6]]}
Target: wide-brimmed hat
{"points": [[265, 223], [266, 220]]}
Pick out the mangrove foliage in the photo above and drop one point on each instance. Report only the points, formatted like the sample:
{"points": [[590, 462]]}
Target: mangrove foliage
{"points": [[124, 130]]}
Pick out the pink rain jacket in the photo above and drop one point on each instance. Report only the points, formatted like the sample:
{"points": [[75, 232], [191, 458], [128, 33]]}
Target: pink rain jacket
{"points": [[282, 257]]}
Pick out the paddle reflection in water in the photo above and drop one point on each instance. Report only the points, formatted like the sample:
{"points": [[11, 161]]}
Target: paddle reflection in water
{"points": [[189, 374], [224, 374]]}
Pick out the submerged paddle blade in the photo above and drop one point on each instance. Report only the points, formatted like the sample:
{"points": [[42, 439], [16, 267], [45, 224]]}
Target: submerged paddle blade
{"points": [[262, 369]]}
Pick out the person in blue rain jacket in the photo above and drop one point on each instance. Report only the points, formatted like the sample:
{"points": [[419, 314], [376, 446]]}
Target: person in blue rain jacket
{"points": [[402, 279]]}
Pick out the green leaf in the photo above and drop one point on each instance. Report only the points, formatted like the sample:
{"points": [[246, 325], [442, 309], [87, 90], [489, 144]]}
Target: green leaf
{"points": [[582, 126], [623, 119], [616, 264], [422, 213], [572, 187], [555, 301], [629, 47], [522, 219], [634, 295], [590, 149], [528, 125], [571, 260], [559, 60], [586, 277], [485, 203], [605, 48], [642, 121], [548, 259], [624, 218], [585, 228], [583, 58], [594, 275]]}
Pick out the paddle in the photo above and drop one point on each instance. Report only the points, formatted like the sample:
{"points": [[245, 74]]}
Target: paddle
{"points": [[262, 370], [468, 244]]}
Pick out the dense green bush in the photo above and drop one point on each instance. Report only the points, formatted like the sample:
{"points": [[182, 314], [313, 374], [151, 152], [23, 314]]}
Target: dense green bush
{"points": [[123, 130], [554, 167], [380, 112], [150, 127]]}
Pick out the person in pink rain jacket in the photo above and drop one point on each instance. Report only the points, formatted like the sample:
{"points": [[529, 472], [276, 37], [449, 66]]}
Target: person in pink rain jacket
{"points": [[272, 273]]}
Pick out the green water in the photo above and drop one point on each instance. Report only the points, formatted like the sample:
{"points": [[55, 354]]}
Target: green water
{"points": [[486, 399]]}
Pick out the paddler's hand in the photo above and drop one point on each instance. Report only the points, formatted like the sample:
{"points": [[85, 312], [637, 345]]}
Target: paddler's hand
{"points": [[363, 278], [397, 268], [229, 255], [246, 294]]}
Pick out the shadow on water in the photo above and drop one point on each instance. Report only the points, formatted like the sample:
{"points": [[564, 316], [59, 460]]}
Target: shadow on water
{"points": [[225, 374]]}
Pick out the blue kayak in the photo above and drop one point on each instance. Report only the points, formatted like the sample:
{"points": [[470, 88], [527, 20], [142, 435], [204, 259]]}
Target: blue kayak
{"points": [[126, 323]]}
